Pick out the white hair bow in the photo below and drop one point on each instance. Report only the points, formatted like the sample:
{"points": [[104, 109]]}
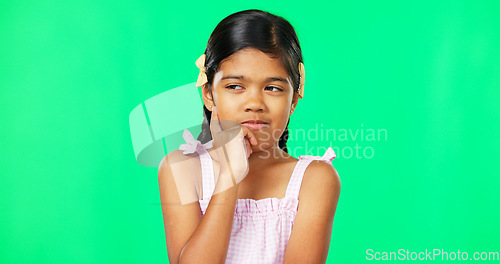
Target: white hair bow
{"points": [[192, 144], [328, 156]]}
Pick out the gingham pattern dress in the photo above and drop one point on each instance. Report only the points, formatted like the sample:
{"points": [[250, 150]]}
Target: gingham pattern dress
{"points": [[261, 228]]}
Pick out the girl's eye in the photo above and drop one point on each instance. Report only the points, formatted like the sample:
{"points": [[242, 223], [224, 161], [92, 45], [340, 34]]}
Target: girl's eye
{"points": [[273, 87], [238, 87], [234, 87]]}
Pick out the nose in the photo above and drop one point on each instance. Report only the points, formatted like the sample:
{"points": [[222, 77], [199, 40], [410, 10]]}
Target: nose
{"points": [[254, 102]]}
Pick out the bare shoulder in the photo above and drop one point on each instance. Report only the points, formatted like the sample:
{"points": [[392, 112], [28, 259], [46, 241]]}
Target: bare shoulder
{"points": [[321, 182], [176, 159], [177, 156], [179, 177]]}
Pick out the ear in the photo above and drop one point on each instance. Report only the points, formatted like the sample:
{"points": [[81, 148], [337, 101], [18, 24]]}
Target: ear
{"points": [[295, 100], [207, 97]]}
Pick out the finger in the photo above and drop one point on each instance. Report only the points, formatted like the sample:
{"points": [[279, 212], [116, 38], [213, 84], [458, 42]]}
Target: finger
{"points": [[247, 133], [248, 147]]}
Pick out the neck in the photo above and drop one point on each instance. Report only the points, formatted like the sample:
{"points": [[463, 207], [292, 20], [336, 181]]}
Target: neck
{"points": [[267, 156]]}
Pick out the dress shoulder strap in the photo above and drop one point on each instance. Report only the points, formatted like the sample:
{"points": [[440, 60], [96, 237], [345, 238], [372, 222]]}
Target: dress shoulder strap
{"points": [[295, 182], [207, 168]]}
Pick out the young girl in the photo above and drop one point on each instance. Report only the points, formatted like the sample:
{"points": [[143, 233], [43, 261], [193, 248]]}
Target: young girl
{"points": [[255, 203]]}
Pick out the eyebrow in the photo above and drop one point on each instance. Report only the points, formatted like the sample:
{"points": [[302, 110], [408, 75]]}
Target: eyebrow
{"points": [[271, 79]]}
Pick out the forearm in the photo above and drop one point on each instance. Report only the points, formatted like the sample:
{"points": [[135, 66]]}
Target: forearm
{"points": [[210, 241]]}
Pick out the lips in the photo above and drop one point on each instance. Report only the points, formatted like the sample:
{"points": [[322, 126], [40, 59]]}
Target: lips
{"points": [[255, 125]]}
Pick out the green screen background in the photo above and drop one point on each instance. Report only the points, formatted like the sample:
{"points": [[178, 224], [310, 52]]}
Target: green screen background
{"points": [[426, 72]]}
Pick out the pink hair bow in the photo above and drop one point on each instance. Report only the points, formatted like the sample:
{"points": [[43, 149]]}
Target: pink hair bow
{"points": [[192, 144], [328, 156]]}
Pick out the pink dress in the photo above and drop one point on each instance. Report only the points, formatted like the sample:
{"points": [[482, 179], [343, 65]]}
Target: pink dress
{"points": [[261, 228]]}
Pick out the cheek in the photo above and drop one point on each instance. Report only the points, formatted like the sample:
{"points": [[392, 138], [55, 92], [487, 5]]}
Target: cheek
{"points": [[275, 130], [224, 101], [226, 116], [280, 127], [281, 114], [225, 111]]}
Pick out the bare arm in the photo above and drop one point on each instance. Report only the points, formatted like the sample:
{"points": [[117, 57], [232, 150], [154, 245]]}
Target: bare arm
{"points": [[311, 232], [191, 238]]}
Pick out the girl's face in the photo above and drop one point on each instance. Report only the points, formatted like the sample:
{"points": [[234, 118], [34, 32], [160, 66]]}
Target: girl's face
{"points": [[251, 87]]}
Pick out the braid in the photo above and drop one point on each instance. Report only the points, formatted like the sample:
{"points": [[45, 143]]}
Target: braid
{"points": [[205, 134], [284, 138]]}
